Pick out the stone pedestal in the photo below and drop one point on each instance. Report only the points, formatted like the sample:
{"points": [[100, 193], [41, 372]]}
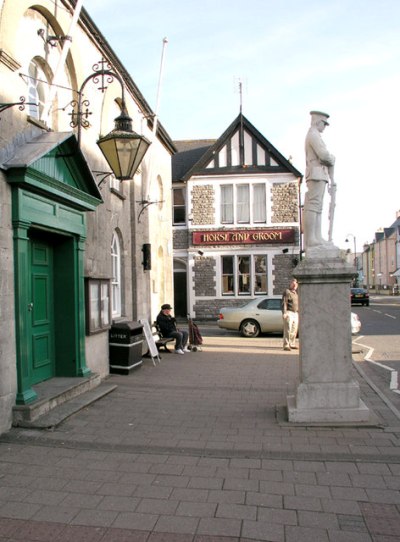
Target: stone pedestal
{"points": [[327, 393]]}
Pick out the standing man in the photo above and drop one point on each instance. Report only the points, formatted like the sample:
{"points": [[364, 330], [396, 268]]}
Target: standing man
{"points": [[290, 315], [167, 325], [319, 172]]}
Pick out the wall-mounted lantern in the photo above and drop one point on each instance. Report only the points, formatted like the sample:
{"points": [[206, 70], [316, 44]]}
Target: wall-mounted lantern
{"points": [[123, 148]]}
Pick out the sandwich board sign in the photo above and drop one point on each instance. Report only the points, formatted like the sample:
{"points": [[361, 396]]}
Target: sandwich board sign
{"points": [[150, 341]]}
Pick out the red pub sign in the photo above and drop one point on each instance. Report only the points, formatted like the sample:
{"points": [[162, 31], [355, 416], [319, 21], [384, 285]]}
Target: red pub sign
{"points": [[247, 237]]}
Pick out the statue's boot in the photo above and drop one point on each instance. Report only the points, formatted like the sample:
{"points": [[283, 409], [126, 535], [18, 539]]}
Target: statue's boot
{"points": [[321, 241], [318, 230], [310, 229]]}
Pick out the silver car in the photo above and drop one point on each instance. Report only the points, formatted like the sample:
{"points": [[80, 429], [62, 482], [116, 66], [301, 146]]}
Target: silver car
{"points": [[259, 315], [262, 315]]}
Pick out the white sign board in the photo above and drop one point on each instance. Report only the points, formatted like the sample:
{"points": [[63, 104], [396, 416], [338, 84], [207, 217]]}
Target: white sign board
{"points": [[150, 340]]}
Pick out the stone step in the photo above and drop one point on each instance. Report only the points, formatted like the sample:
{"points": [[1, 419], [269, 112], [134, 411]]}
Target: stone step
{"points": [[59, 398]]}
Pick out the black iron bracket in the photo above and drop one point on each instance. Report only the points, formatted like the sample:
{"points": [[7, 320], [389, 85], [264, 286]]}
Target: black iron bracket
{"points": [[52, 40], [21, 104]]}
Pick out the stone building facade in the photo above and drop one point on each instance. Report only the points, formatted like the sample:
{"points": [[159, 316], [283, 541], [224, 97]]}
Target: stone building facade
{"points": [[380, 260], [71, 236], [236, 221]]}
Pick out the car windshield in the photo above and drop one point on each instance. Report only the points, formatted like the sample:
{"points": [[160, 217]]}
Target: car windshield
{"points": [[357, 290]]}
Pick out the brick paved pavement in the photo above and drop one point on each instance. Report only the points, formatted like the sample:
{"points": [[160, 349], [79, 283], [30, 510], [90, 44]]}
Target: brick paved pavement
{"points": [[197, 450]]}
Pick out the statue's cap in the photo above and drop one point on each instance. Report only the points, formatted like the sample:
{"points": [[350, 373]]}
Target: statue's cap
{"points": [[319, 115]]}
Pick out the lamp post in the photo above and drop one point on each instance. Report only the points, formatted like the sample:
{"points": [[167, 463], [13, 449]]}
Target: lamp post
{"points": [[123, 148], [380, 281], [355, 254]]}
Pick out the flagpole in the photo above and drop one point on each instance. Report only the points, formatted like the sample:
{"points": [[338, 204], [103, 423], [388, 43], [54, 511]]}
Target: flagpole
{"points": [[146, 193]]}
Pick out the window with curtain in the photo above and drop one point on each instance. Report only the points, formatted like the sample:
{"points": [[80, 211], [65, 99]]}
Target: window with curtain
{"points": [[244, 275], [243, 203], [37, 89], [116, 276], [259, 204], [227, 204]]}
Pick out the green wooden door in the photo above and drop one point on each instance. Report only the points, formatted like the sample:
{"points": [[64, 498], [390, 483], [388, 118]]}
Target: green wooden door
{"points": [[42, 312]]}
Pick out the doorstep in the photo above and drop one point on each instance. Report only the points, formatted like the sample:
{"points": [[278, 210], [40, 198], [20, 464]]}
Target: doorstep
{"points": [[59, 398]]}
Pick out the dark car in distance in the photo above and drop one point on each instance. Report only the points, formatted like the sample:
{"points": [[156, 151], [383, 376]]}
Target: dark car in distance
{"points": [[359, 295]]}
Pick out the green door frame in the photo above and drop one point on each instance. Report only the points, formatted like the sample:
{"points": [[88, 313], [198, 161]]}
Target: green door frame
{"points": [[26, 208], [52, 189]]}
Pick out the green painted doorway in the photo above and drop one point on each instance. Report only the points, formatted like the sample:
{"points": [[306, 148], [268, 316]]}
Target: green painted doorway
{"points": [[41, 308]]}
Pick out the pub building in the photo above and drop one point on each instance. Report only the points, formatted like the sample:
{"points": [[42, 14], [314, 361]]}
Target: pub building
{"points": [[236, 220]]}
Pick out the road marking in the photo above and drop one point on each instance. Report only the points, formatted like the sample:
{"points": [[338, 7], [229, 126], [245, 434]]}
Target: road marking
{"points": [[394, 382], [375, 310], [391, 316]]}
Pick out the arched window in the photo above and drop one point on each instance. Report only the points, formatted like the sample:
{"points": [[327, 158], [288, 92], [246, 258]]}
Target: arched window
{"points": [[37, 89], [116, 276]]}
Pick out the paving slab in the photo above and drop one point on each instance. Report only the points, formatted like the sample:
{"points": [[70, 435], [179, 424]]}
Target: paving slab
{"points": [[197, 449]]}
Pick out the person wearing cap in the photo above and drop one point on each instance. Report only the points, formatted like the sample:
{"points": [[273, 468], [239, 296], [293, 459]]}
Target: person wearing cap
{"points": [[319, 172], [290, 315], [167, 325]]}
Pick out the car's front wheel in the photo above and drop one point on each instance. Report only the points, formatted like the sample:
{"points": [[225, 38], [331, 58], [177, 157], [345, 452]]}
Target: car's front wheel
{"points": [[249, 328]]}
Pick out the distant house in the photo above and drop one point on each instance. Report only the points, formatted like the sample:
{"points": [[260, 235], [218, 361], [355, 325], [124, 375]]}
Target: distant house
{"points": [[381, 259], [236, 220]]}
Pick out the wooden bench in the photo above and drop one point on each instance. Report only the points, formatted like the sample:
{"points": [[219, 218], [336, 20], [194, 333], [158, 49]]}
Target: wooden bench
{"points": [[161, 342]]}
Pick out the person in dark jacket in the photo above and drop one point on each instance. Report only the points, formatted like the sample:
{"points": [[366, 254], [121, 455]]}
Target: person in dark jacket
{"points": [[167, 325]]}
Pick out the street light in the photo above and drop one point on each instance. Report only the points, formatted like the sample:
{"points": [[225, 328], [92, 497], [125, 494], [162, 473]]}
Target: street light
{"points": [[355, 254], [380, 281], [123, 148]]}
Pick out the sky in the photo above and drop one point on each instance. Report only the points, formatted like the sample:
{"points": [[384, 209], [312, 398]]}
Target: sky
{"points": [[292, 56]]}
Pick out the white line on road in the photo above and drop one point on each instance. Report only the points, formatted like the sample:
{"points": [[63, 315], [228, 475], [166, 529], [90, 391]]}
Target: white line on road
{"points": [[391, 316], [394, 382]]}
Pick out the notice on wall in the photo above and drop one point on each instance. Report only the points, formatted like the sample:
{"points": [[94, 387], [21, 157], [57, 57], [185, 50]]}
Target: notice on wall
{"points": [[150, 340]]}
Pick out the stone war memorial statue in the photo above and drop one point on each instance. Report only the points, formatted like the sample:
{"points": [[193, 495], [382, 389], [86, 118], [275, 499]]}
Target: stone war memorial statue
{"points": [[327, 392], [320, 165]]}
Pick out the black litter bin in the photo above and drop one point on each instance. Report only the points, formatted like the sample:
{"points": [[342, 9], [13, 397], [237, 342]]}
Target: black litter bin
{"points": [[125, 347]]}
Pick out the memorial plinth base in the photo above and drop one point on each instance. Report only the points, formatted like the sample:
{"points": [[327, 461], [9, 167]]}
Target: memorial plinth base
{"points": [[334, 412], [327, 392]]}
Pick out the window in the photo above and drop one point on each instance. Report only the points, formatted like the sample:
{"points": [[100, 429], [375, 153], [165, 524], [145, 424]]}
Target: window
{"points": [[97, 305], [228, 285], [260, 274], [227, 204], [116, 276], [270, 305], [243, 203], [244, 275], [179, 206], [243, 272], [37, 90], [259, 206]]}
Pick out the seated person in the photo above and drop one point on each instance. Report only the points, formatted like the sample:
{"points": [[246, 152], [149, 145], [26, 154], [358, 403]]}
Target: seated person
{"points": [[167, 325]]}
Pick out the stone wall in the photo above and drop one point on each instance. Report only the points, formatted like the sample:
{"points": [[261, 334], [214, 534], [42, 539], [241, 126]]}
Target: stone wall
{"points": [[180, 239], [283, 271], [204, 276], [285, 204], [206, 310], [203, 198]]}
